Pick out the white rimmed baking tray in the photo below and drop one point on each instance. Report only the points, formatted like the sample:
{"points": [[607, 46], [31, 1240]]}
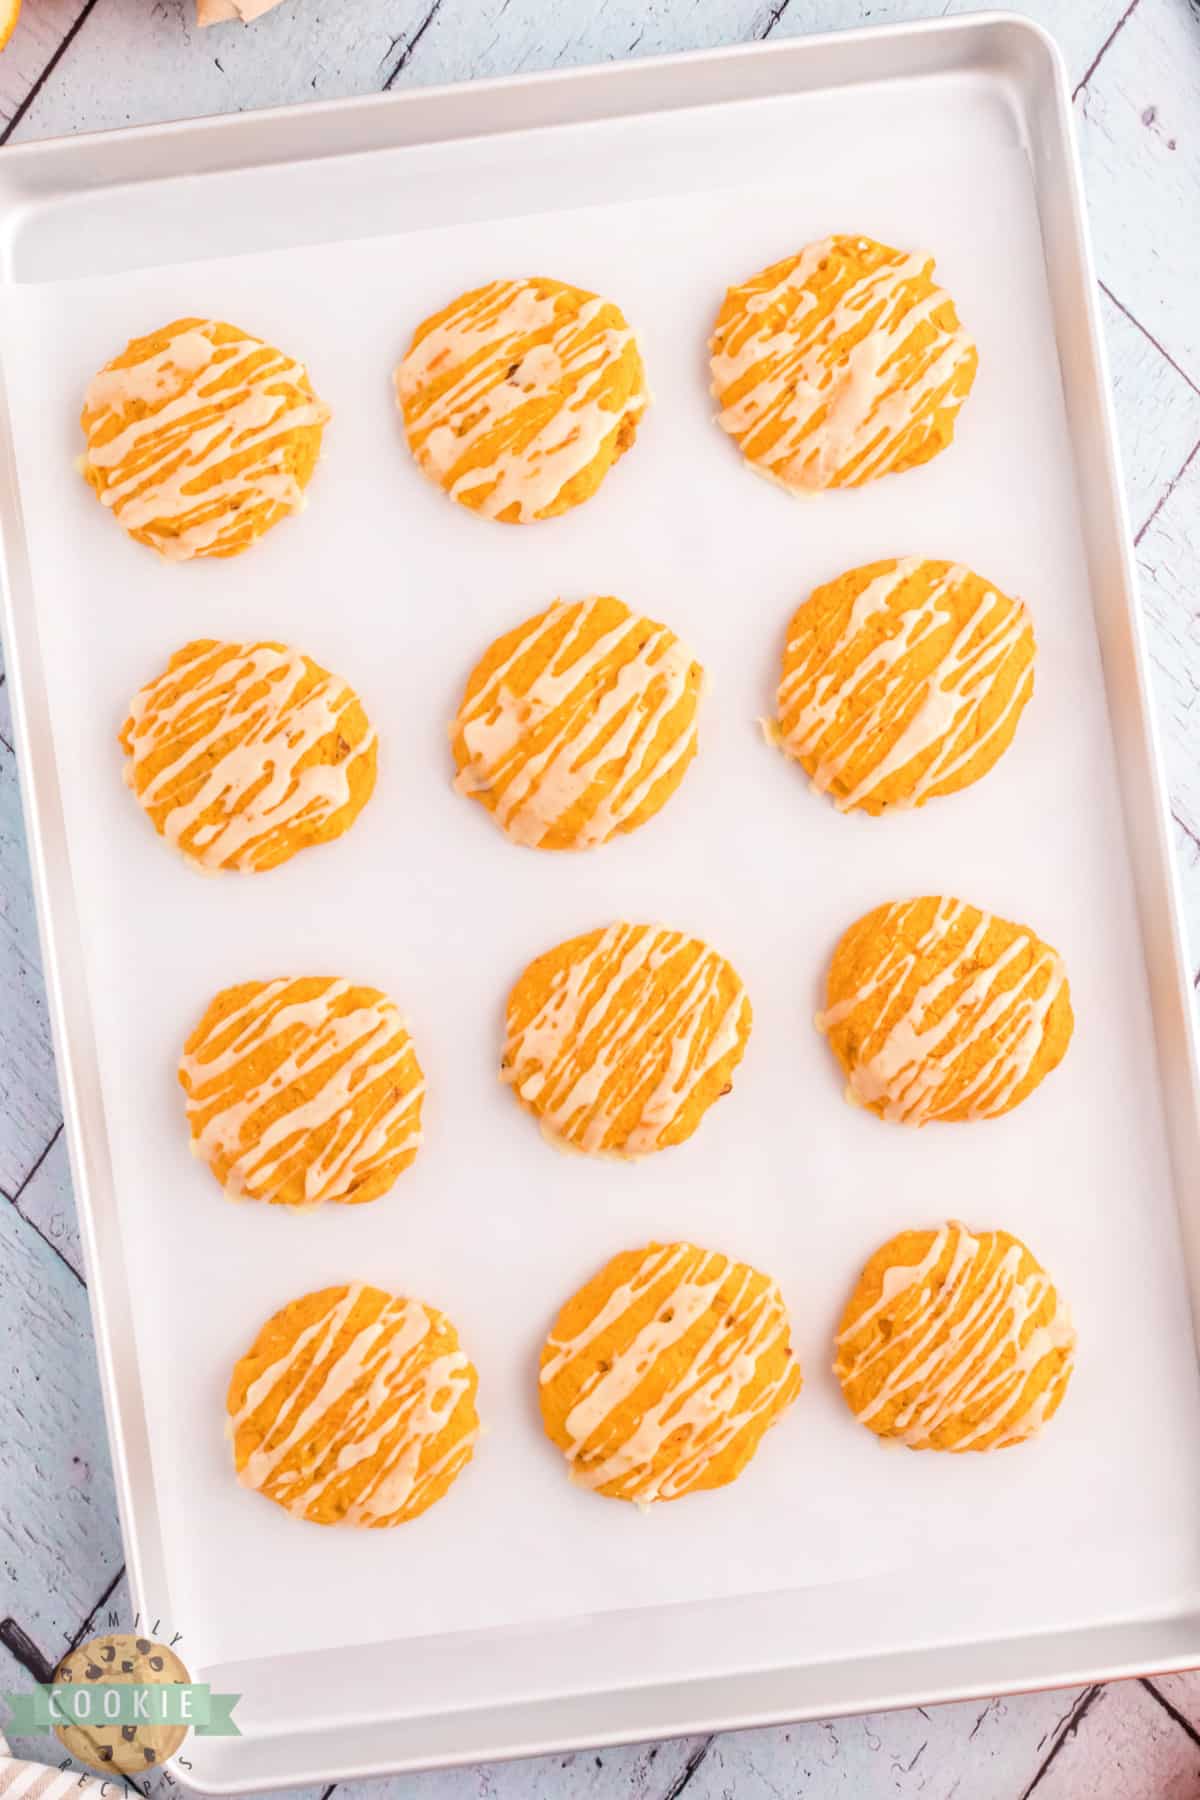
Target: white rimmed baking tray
{"points": [[521, 1614]]}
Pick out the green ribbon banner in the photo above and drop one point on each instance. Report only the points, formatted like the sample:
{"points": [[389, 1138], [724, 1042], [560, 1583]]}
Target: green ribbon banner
{"points": [[125, 1703]]}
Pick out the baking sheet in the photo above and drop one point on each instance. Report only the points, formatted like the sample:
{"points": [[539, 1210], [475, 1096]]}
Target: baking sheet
{"points": [[385, 581]]}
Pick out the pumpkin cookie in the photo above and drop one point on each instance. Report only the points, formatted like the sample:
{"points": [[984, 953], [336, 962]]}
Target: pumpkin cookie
{"points": [[519, 397], [840, 364], [353, 1407], [300, 1091], [661, 1376], [578, 724], [903, 680], [125, 1660], [200, 438], [955, 1340], [937, 1010], [242, 754], [620, 1040]]}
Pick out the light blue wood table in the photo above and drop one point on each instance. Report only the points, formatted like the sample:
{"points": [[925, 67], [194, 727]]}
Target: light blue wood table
{"points": [[79, 65]]}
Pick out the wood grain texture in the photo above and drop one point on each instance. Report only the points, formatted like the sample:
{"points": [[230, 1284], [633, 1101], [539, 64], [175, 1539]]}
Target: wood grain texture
{"points": [[58, 1526], [1158, 411], [511, 35], [28, 1089], [43, 27], [1138, 67], [1169, 572], [1126, 1747], [987, 1751], [1139, 118], [634, 1772], [137, 64], [131, 64], [47, 1203], [1182, 1694], [1187, 862]]}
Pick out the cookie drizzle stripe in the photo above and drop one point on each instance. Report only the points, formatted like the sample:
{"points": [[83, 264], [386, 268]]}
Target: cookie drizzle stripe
{"points": [[813, 411], [583, 733], [878, 690], [244, 693], [503, 371], [699, 1414], [366, 1050], [207, 402], [905, 1061], [591, 1033], [967, 1348], [396, 1391]]}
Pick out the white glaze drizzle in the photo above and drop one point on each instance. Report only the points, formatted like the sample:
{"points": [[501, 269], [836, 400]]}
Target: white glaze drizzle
{"points": [[943, 712], [364, 1050], [244, 693], [703, 1410], [593, 717], [400, 1396], [159, 466], [909, 1067], [482, 334], [845, 410], [978, 1370], [609, 1013]]}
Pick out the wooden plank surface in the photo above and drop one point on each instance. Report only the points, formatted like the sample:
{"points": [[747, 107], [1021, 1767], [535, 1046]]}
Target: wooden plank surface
{"points": [[926, 1752], [1141, 161], [28, 1091], [58, 1528], [124, 66], [44, 30], [1169, 570], [1126, 1747], [83, 64]]}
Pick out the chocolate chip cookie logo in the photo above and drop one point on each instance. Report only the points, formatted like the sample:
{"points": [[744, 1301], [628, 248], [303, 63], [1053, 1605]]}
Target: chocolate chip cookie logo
{"points": [[123, 1704]]}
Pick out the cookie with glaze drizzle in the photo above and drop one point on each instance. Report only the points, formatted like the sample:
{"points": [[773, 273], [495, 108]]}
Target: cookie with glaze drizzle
{"points": [[839, 364], [242, 754], [353, 1407], [955, 1340], [518, 397], [200, 438], [303, 1090], [663, 1373], [937, 1009], [578, 725], [620, 1040], [902, 681]]}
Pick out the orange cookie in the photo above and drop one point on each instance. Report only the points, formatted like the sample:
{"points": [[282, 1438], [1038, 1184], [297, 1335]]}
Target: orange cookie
{"points": [[938, 1010], [520, 396], [200, 438], [903, 680], [840, 364], [353, 1407], [955, 1340], [620, 1040], [578, 724], [662, 1375], [242, 754], [301, 1091]]}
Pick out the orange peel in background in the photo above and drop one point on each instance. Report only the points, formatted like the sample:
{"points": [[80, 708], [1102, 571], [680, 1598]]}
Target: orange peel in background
{"points": [[10, 12]]}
